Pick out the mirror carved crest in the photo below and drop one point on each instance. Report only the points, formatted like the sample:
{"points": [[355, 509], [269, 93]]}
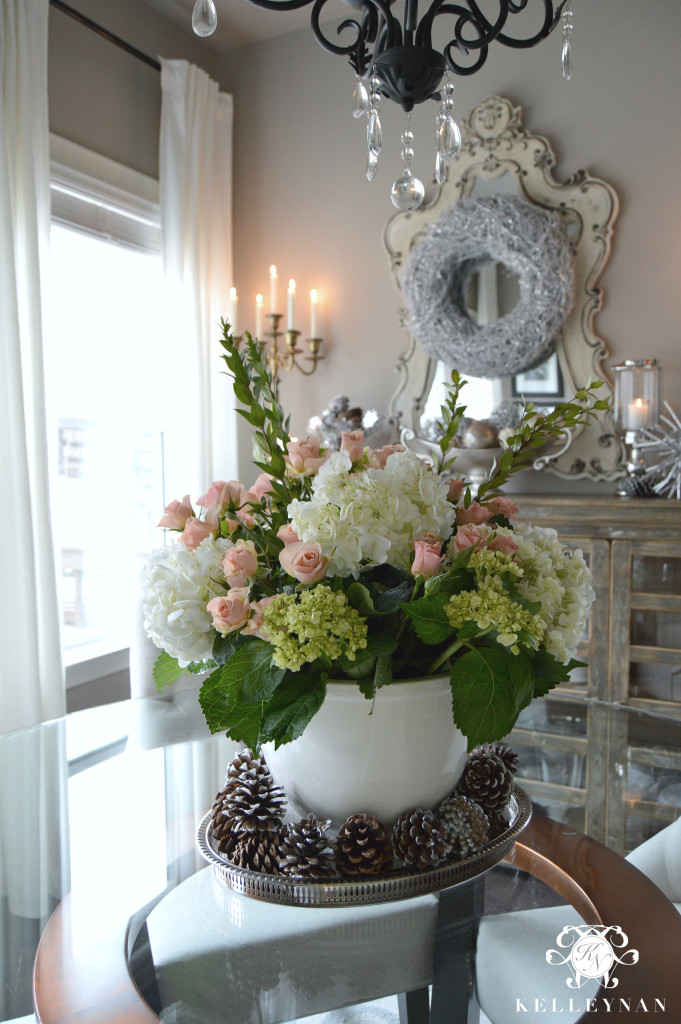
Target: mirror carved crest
{"points": [[499, 153]]}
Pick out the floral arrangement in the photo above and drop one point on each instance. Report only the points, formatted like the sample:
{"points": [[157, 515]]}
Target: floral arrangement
{"points": [[362, 564]]}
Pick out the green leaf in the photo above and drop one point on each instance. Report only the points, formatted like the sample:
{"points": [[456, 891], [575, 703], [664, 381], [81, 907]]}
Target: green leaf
{"points": [[383, 674], [549, 672], [390, 600], [428, 616], [166, 670], [291, 707], [251, 673], [367, 687], [224, 712], [358, 668], [224, 647], [488, 692], [360, 599]]}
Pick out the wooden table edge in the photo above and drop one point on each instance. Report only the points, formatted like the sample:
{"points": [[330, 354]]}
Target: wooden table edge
{"points": [[97, 987]]}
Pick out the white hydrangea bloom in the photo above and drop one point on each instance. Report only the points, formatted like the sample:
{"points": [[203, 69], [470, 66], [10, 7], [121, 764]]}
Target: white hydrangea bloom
{"points": [[177, 584], [371, 516], [560, 579]]}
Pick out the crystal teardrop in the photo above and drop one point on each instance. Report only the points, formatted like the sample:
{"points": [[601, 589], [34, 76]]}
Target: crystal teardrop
{"points": [[372, 164], [374, 133], [360, 99], [204, 18], [407, 192], [440, 173], [567, 60], [449, 138]]}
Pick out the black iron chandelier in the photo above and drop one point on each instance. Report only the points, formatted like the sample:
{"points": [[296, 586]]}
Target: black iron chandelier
{"points": [[397, 60]]}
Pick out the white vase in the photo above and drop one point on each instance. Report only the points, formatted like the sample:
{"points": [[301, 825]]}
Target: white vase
{"points": [[384, 757]]}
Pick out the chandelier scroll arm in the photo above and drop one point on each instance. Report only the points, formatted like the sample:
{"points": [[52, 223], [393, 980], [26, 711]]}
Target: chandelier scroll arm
{"points": [[366, 32]]}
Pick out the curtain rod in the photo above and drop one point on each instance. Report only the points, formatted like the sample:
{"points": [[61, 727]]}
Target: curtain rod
{"points": [[89, 23]]}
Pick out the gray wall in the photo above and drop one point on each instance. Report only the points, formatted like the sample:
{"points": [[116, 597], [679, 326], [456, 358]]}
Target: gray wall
{"points": [[302, 200]]}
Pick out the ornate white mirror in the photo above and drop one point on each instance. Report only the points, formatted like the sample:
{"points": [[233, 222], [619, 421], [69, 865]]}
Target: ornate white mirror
{"points": [[498, 275]]}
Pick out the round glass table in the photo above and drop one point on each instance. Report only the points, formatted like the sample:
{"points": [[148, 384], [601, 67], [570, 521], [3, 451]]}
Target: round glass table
{"points": [[102, 877]]}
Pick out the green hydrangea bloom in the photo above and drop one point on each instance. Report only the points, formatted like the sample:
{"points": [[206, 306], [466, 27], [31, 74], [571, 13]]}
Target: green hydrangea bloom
{"points": [[318, 621], [492, 608]]}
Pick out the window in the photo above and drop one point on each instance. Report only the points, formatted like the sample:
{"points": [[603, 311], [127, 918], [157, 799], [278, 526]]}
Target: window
{"points": [[102, 332]]}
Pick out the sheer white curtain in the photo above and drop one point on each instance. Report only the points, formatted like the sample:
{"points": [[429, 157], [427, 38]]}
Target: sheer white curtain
{"points": [[196, 225], [201, 429], [31, 672]]}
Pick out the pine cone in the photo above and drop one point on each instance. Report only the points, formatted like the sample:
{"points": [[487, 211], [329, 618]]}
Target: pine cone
{"points": [[245, 763], [487, 780], [250, 801], [506, 753], [305, 851], [223, 833], [418, 841], [257, 851], [363, 847], [464, 824]]}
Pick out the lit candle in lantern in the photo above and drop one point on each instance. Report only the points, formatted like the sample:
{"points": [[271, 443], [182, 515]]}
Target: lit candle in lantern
{"points": [[291, 304], [258, 315], [235, 305], [638, 414], [313, 313], [273, 289]]}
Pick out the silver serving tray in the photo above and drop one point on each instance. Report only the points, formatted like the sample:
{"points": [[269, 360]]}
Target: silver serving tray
{"points": [[398, 884]]}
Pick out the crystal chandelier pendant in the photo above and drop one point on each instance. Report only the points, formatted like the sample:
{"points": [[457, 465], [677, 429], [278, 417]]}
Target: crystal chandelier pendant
{"points": [[566, 53], [374, 131], [407, 192], [448, 131], [360, 99], [204, 18]]}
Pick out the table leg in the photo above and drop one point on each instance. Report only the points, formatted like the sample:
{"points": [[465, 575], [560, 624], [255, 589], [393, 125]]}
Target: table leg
{"points": [[414, 1006], [453, 999]]}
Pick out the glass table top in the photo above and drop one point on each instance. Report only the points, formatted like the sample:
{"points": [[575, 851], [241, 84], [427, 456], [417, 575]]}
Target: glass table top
{"points": [[103, 806]]}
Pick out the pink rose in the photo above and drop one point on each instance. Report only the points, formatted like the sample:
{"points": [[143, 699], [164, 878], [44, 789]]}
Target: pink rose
{"points": [[240, 563], [427, 559], [262, 486], [475, 513], [196, 530], [455, 490], [503, 543], [500, 506], [176, 514], [231, 611], [468, 536], [352, 442], [254, 626], [304, 560], [287, 534], [304, 457], [379, 456]]}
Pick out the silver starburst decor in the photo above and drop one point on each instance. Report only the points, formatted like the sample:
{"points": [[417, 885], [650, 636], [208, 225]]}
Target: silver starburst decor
{"points": [[663, 441]]}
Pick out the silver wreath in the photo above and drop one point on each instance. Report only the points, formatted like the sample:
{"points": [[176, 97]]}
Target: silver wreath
{"points": [[529, 241]]}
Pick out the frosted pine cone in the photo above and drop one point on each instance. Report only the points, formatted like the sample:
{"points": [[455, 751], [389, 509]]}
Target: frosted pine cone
{"points": [[245, 764], [464, 825], [251, 802], [418, 841], [506, 753], [305, 852], [257, 851], [487, 780], [363, 847]]}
